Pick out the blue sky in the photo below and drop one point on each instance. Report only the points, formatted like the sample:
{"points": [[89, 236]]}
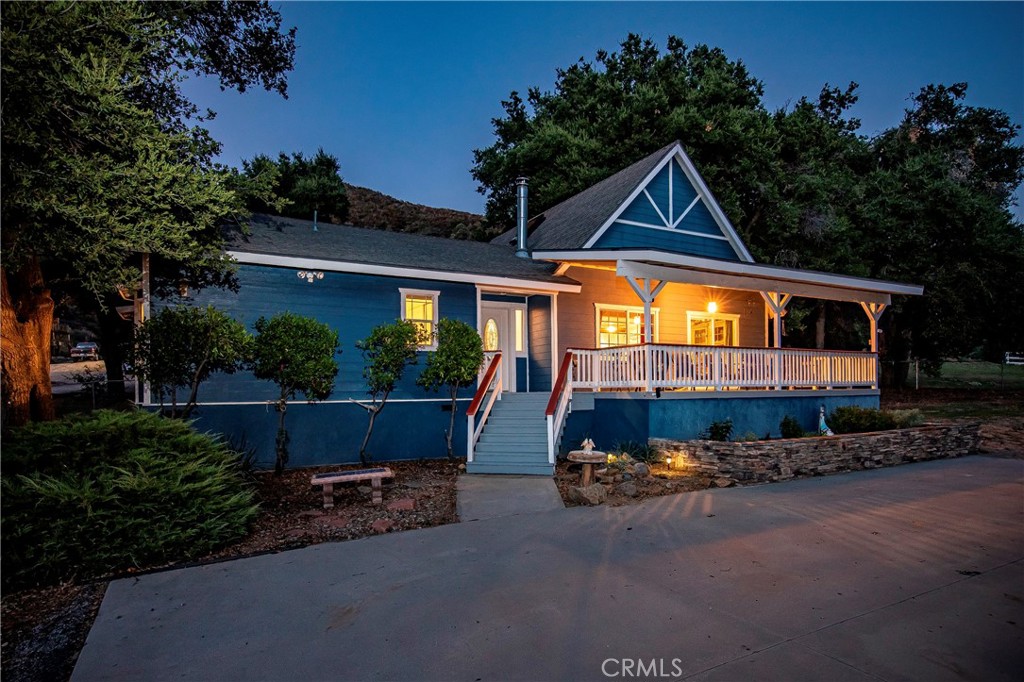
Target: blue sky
{"points": [[402, 93]]}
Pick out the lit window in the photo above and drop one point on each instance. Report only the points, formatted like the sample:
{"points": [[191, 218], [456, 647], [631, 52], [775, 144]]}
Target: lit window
{"points": [[713, 330], [491, 341], [420, 308], [520, 331], [621, 326]]}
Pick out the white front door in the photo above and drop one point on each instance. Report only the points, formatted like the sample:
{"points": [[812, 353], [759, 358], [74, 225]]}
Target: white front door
{"points": [[499, 325]]}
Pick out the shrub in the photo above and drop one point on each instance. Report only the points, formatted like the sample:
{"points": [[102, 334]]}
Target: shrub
{"points": [[907, 418], [639, 450], [720, 430], [853, 419], [111, 491], [790, 427]]}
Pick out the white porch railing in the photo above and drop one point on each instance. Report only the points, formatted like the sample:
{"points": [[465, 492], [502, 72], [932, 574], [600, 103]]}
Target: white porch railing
{"points": [[721, 368], [491, 382]]}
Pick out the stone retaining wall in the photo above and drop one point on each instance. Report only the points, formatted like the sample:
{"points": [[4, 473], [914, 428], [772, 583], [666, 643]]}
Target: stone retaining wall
{"points": [[779, 460]]}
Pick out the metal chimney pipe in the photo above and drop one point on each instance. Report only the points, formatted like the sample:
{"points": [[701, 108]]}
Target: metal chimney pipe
{"points": [[521, 216]]}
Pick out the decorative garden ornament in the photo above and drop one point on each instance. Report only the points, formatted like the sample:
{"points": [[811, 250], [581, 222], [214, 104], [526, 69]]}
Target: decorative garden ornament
{"points": [[587, 445], [823, 429]]}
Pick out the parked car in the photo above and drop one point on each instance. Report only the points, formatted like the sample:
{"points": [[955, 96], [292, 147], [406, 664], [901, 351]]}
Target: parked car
{"points": [[86, 350]]}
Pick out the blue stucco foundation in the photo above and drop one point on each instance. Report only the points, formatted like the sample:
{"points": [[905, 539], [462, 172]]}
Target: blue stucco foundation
{"points": [[610, 418], [330, 433]]}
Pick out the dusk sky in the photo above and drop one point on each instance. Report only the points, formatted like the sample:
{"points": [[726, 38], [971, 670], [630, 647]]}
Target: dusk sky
{"points": [[401, 93]]}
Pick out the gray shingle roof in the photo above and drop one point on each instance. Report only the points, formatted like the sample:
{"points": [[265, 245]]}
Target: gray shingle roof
{"points": [[279, 236], [570, 224]]}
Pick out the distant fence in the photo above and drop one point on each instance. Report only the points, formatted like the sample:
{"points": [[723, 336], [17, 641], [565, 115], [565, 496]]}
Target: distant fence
{"points": [[1013, 359]]}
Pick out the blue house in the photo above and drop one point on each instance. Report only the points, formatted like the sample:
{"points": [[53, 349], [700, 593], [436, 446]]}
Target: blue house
{"points": [[632, 310]]}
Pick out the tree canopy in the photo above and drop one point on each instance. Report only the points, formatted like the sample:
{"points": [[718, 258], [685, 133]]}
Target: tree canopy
{"points": [[103, 159], [306, 185], [925, 201]]}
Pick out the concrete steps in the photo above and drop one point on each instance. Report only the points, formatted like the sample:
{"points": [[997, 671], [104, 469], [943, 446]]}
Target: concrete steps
{"points": [[515, 438]]}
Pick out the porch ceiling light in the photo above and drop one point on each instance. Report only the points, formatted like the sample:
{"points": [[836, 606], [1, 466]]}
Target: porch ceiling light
{"points": [[611, 329], [712, 307]]}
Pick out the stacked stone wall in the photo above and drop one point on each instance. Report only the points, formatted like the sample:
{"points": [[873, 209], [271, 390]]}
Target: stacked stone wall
{"points": [[780, 460]]}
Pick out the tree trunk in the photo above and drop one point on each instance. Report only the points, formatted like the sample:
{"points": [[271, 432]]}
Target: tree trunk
{"points": [[451, 424], [26, 319], [115, 335], [369, 430], [281, 443], [819, 327]]}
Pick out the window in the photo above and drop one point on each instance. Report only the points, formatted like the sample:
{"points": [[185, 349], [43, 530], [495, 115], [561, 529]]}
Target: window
{"points": [[520, 331], [491, 340], [420, 308], [623, 326], [718, 329]]}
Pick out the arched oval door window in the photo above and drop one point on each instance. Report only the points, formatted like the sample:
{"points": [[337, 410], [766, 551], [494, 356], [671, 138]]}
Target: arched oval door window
{"points": [[491, 335]]}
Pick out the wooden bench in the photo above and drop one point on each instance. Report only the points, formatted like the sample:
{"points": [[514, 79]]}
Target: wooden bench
{"points": [[328, 480]]}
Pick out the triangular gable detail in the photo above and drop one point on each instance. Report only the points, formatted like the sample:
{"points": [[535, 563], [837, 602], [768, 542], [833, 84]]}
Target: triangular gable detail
{"points": [[672, 209]]}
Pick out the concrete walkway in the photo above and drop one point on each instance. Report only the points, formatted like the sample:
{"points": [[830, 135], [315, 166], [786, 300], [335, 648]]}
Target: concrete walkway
{"points": [[910, 573], [488, 497]]}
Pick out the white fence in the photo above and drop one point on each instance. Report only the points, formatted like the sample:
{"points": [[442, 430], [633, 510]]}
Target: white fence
{"points": [[720, 368]]}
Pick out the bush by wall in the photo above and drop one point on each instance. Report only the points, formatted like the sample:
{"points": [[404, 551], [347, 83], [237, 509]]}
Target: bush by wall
{"points": [[110, 491], [853, 419]]}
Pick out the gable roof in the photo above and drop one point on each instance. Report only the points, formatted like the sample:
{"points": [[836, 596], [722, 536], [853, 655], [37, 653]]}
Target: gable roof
{"points": [[290, 238], [581, 220]]}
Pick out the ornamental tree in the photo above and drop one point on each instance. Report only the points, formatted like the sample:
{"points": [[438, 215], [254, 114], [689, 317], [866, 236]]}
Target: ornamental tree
{"points": [[387, 350], [181, 347], [454, 365], [296, 353]]}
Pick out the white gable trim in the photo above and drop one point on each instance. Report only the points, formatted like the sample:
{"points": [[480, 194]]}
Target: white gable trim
{"points": [[393, 271], [703, 193]]}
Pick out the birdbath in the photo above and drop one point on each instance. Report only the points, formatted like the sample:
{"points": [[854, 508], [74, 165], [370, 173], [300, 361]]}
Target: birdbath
{"points": [[589, 459]]}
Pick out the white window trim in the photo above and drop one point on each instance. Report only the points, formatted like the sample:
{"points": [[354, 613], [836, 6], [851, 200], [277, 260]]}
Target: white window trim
{"points": [[598, 307], [732, 317], [423, 293]]}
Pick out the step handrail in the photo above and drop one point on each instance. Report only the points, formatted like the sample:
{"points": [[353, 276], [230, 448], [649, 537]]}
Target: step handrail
{"points": [[559, 404], [473, 432]]}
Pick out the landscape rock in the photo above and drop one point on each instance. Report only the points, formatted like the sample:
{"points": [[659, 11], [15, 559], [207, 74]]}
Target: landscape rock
{"points": [[382, 525], [641, 469], [628, 489], [364, 489], [404, 504], [723, 482], [334, 521], [594, 494]]}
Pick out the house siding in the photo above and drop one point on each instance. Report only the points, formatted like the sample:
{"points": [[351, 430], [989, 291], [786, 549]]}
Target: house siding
{"points": [[350, 304], [576, 312], [621, 236], [538, 313]]}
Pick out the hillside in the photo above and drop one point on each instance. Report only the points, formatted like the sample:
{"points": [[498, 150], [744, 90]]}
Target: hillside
{"points": [[369, 208]]}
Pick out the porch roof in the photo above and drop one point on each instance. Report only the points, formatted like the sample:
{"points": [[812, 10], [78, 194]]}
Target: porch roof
{"points": [[713, 272]]}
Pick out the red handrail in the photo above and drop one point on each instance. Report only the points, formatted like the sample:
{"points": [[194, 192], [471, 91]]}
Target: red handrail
{"points": [[482, 390], [556, 391]]}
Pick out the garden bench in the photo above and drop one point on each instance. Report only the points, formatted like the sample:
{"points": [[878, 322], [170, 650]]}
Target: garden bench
{"points": [[328, 480]]}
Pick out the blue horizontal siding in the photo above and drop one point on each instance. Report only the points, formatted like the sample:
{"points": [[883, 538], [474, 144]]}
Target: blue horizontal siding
{"points": [[349, 303], [620, 236]]}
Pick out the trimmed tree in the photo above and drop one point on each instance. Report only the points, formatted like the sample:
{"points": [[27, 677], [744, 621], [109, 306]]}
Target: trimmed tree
{"points": [[180, 347], [296, 353], [387, 351], [455, 364]]}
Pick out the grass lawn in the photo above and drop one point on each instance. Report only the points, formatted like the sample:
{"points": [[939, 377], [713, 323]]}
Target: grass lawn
{"points": [[974, 374]]}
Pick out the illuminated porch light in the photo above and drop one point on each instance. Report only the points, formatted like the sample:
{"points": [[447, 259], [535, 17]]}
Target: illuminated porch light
{"points": [[712, 307], [611, 329], [668, 462]]}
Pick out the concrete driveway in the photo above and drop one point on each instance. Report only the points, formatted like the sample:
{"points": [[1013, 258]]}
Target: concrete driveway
{"points": [[910, 573]]}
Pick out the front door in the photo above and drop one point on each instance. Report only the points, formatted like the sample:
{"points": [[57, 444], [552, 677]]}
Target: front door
{"points": [[502, 329]]}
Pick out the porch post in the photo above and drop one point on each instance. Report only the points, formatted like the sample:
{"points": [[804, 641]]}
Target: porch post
{"points": [[874, 312], [647, 294], [777, 302]]}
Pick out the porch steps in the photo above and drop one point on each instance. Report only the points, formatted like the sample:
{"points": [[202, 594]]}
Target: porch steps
{"points": [[515, 438]]}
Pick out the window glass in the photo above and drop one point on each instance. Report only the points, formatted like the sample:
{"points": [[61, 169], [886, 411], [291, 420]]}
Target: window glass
{"points": [[491, 341], [713, 330], [420, 308], [623, 326], [520, 331]]}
